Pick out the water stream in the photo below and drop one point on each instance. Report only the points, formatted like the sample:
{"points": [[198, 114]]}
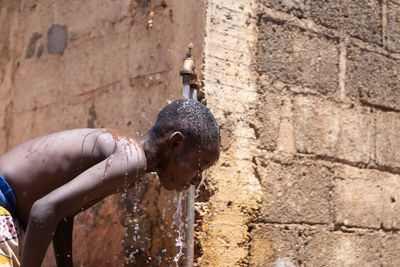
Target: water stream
{"points": [[178, 225]]}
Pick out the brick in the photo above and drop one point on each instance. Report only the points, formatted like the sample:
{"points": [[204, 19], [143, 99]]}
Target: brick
{"points": [[274, 244], [295, 7], [327, 129], [270, 243], [390, 249], [393, 29], [295, 192], [367, 198], [358, 18], [339, 249], [268, 119], [293, 56], [387, 139], [373, 78]]}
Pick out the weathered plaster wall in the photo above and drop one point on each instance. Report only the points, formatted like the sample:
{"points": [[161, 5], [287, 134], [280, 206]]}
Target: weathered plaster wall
{"points": [[73, 64], [307, 96], [230, 80]]}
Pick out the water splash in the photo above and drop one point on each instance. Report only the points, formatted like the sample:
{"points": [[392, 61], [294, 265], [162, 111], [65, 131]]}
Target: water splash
{"points": [[178, 225]]}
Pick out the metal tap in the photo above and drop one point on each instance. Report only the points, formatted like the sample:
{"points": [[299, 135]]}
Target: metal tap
{"points": [[189, 76]]}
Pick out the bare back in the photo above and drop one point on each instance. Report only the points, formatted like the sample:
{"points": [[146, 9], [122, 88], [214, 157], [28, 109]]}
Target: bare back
{"points": [[37, 167]]}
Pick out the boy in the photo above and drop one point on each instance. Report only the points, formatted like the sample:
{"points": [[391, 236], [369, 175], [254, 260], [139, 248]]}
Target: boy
{"points": [[50, 179]]}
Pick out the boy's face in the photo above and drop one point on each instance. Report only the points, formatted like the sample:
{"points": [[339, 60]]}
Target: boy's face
{"points": [[178, 169]]}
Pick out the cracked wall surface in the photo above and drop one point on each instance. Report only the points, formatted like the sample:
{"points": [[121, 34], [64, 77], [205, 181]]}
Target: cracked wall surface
{"points": [[306, 93], [77, 64]]}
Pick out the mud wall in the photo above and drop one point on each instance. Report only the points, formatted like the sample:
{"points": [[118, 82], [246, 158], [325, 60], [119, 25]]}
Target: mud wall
{"points": [[307, 95], [76, 64]]}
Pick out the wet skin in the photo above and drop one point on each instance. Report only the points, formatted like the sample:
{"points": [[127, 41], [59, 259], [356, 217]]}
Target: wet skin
{"points": [[181, 165], [57, 176]]}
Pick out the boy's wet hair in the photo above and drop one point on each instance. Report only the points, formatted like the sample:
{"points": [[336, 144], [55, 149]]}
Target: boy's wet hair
{"points": [[193, 119]]}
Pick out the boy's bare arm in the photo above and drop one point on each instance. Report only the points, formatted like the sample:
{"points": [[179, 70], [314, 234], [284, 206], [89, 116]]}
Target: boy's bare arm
{"points": [[112, 175]]}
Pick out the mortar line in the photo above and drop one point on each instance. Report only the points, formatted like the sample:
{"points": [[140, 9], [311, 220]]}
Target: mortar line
{"points": [[378, 107], [342, 68], [291, 223], [348, 229], [311, 156], [331, 98], [384, 23], [360, 165]]}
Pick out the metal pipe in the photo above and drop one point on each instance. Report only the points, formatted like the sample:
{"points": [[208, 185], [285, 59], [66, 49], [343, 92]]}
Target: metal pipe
{"points": [[189, 214], [189, 92]]}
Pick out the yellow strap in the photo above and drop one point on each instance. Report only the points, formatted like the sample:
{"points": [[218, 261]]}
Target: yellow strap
{"points": [[4, 259], [3, 211]]}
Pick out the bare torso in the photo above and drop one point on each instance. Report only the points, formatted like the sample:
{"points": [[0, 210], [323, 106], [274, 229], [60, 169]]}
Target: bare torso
{"points": [[39, 166]]}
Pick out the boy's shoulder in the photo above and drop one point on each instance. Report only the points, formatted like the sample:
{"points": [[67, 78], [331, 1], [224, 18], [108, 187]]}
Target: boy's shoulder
{"points": [[84, 142]]}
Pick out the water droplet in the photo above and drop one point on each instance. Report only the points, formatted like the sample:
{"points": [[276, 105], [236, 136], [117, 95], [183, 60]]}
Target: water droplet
{"points": [[179, 226]]}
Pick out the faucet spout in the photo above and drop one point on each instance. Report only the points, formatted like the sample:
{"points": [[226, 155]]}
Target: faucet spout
{"points": [[189, 75]]}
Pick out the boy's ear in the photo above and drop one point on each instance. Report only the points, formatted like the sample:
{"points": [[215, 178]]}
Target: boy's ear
{"points": [[175, 140]]}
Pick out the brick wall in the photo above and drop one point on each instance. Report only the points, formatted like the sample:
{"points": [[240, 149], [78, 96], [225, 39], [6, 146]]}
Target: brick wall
{"points": [[330, 194], [310, 170]]}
